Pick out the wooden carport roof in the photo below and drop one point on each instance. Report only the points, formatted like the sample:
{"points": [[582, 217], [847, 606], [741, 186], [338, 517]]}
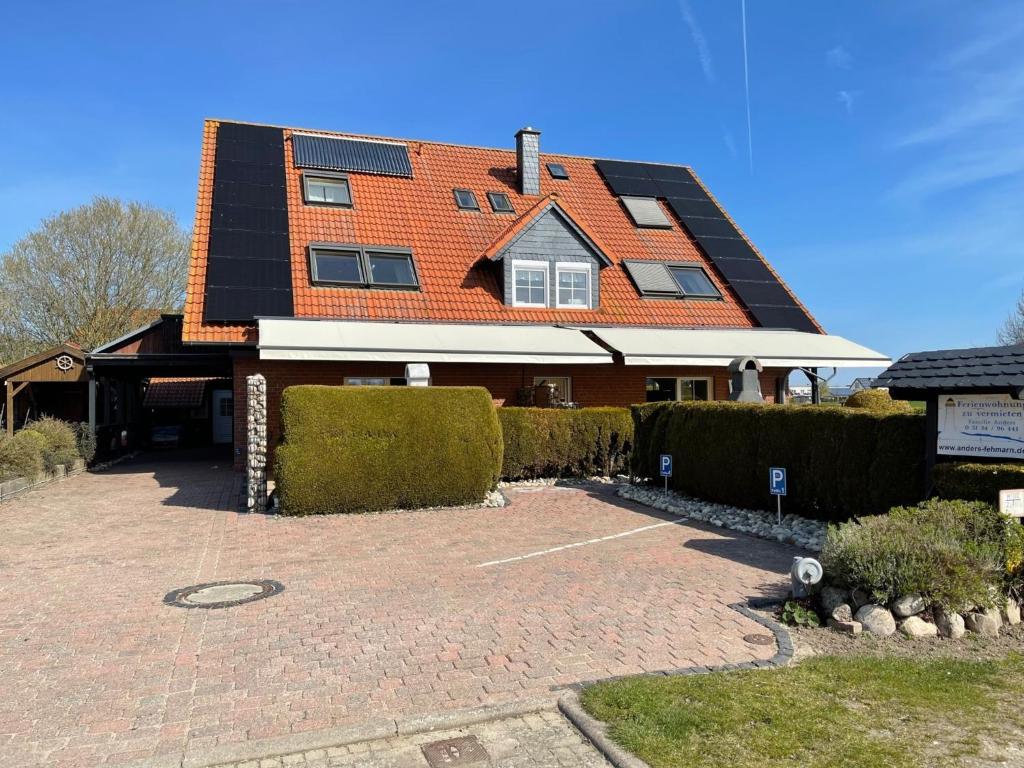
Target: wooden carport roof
{"points": [[64, 364]]}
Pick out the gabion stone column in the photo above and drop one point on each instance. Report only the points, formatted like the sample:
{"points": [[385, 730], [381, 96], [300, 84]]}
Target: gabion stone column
{"points": [[256, 442]]}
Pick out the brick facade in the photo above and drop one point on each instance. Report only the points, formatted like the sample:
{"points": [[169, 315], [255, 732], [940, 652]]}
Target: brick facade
{"points": [[592, 385]]}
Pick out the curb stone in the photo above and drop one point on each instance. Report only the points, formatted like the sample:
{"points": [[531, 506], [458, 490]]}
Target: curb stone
{"points": [[373, 730], [597, 731]]}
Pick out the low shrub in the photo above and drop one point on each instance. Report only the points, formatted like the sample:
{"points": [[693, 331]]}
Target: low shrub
{"points": [[85, 439], [951, 552], [21, 455], [840, 462], [877, 400], [981, 482], [559, 442], [61, 442], [359, 449]]}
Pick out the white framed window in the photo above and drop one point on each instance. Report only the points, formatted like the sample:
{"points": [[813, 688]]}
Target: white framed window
{"points": [[326, 190], [682, 388], [530, 283], [562, 385], [572, 285], [374, 381]]}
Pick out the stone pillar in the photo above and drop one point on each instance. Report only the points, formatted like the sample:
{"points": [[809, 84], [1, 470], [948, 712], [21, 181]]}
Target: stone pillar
{"points": [[256, 442]]}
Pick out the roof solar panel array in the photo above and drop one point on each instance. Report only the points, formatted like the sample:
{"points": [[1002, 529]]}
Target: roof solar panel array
{"points": [[330, 153], [732, 256], [248, 272]]}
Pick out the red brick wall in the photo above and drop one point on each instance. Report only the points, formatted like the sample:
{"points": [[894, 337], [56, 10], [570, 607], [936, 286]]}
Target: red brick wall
{"points": [[592, 385]]}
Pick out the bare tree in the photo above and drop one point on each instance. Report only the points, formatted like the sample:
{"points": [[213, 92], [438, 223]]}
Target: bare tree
{"points": [[89, 275], [1012, 331]]}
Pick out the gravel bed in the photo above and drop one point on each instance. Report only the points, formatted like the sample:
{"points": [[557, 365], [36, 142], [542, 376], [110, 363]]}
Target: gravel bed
{"points": [[808, 534]]}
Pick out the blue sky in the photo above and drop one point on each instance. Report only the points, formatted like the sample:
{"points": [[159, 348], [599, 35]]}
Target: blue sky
{"points": [[882, 174]]}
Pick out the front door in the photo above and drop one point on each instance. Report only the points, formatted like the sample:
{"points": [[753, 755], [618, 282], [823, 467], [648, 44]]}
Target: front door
{"points": [[223, 402]]}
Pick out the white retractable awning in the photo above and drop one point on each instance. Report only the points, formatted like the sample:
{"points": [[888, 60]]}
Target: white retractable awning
{"points": [[717, 347], [288, 339]]}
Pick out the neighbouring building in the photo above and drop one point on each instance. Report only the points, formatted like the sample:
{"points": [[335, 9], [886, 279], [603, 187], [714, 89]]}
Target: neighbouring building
{"points": [[332, 258]]}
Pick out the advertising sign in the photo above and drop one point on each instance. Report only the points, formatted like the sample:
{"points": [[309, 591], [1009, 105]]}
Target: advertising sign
{"points": [[981, 425]]}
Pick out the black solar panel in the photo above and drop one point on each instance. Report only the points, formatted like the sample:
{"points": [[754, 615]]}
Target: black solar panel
{"points": [[738, 264], [249, 259], [353, 155], [633, 187]]}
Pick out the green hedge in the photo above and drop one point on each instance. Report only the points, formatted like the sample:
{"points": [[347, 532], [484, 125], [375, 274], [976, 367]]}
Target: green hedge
{"points": [[359, 449], [981, 482], [840, 462], [558, 442], [877, 400], [21, 455]]}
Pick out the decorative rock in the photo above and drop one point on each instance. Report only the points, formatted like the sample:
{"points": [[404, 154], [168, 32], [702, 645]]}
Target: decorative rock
{"points": [[842, 612], [846, 627], [1011, 612], [876, 620], [831, 598], [950, 625], [916, 627], [985, 622], [859, 598], [908, 605]]}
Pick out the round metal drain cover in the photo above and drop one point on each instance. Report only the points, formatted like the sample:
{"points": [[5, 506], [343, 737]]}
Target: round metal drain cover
{"points": [[222, 594], [758, 639]]}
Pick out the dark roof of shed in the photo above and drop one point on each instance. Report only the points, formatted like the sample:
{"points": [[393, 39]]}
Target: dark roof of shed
{"points": [[957, 369]]}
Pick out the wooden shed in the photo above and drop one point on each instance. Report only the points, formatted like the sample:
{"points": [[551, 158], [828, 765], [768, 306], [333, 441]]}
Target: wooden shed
{"points": [[54, 382]]}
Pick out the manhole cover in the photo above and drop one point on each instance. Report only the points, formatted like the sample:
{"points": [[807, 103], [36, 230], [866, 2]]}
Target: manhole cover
{"points": [[758, 639], [222, 594], [465, 750]]}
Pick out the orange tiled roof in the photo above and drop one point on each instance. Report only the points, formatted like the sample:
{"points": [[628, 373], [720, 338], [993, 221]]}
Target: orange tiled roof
{"points": [[457, 284]]}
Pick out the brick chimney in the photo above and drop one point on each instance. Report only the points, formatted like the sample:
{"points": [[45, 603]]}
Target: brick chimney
{"points": [[528, 160]]}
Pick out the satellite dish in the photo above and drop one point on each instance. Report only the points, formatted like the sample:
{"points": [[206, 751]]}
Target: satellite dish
{"points": [[805, 572]]}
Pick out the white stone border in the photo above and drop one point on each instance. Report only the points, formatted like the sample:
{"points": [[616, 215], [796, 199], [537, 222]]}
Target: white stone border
{"points": [[805, 533]]}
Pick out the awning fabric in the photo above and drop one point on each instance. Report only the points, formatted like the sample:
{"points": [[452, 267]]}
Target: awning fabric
{"points": [[287, 339], [299, 339], [717, 347]]}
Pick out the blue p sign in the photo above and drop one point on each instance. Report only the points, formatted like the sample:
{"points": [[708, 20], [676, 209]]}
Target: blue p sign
{"points": [[777, 476], [666, 465]]}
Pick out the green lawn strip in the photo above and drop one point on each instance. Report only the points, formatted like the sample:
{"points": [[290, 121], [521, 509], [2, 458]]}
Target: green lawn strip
{"points": [[858, 712]]}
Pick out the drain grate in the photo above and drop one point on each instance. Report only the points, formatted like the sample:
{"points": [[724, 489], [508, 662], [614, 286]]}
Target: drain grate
{"points": [[222, 594], [450, 753], [758, 639]]}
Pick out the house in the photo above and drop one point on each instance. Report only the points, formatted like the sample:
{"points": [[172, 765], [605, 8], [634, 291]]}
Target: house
{"points": [[335, 258]]}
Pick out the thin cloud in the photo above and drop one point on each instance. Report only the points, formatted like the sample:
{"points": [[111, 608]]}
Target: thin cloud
{"points": [[846, 98], [700, 42], [839, 58], [952, 172], [730, 144]]}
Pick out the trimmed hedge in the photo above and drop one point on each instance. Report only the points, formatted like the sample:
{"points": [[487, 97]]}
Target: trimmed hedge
{"points": [[840, 462], [558, 442], [877, 400], [360, 449], [980, 482]]}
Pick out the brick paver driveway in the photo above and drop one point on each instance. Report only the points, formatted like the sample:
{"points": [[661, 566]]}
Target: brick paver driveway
{"points": [[381, 614]]}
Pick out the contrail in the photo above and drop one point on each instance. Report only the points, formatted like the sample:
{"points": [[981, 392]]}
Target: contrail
{"points": [[746, 87]]}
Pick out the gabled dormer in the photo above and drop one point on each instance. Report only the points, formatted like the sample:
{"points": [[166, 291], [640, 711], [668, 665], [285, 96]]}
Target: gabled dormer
{"points": [[549, 260]]}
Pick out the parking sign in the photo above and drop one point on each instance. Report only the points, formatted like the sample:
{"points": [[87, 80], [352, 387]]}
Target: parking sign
{"points": [[666, 465], [778, 481]]}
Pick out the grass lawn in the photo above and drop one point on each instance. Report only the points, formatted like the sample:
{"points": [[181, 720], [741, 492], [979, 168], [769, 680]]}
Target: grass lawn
{"points": [[856, 712]]}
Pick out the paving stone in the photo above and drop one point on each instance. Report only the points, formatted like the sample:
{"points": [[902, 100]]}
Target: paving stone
{"points": [[375, 611]]}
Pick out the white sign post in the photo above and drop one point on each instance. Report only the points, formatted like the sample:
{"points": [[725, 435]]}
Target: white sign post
{"points": [[1011, 502], [991, 426]]}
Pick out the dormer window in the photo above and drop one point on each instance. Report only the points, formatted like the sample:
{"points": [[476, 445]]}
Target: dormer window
{"points": [[326, 189], [500, 202], [466, 200], [573, 285], [530, 283]]}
